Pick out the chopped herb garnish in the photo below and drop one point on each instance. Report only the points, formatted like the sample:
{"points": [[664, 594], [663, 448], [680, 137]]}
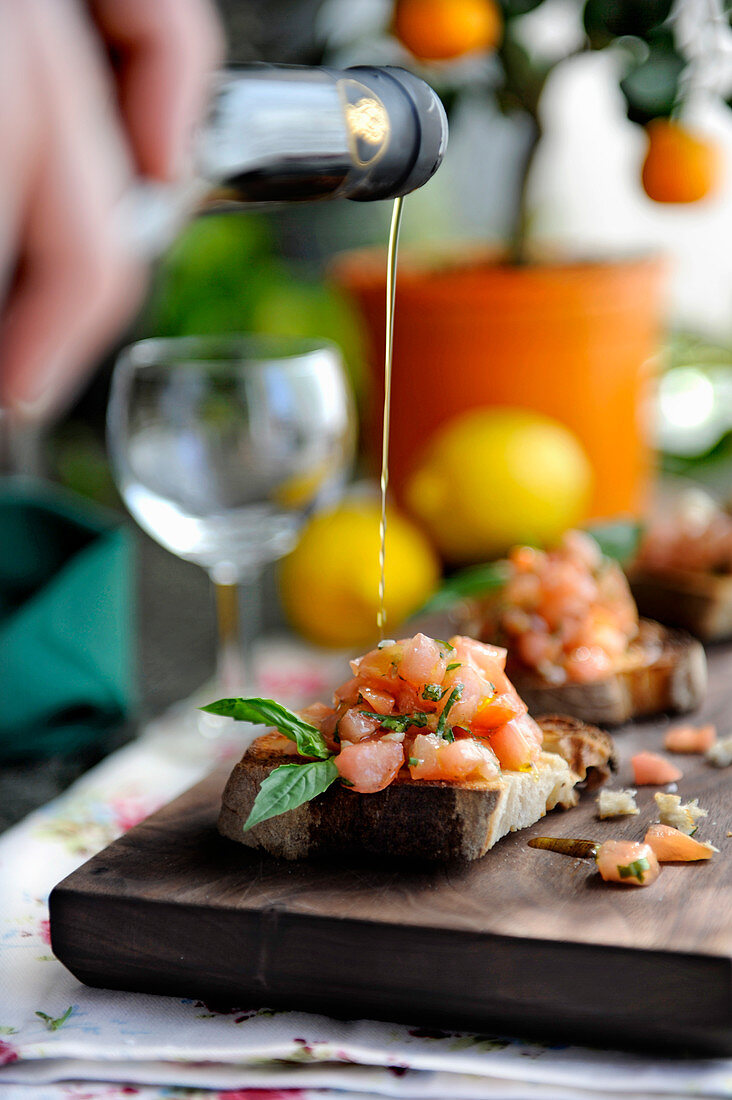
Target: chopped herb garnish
{"points": [[455, 664], [448, 735], [434, 692], [636, 869], [413, 762], [398, 723], [445, 645], [452, 698]]}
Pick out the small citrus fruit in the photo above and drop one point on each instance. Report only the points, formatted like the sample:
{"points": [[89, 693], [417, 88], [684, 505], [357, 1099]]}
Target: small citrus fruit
{"points": [[494, 477], [329, 584], [438, 30], [680, 166]]}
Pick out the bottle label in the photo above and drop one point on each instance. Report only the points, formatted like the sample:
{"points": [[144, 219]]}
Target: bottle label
{"points": [[367, 122]]}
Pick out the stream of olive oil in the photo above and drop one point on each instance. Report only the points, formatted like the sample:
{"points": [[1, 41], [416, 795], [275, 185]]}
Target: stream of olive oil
{"points": [[391, 264]]}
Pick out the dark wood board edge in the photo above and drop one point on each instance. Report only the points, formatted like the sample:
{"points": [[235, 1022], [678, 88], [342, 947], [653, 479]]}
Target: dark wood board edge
{"points": [[472, 980]]}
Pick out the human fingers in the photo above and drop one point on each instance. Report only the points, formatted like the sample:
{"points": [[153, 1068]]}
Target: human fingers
{"points": [[75, 281], [166, 52]]}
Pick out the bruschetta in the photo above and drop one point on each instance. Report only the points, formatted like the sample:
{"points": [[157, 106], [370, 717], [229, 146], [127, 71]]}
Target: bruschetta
{"points": [[575, 642], [427, 751]]}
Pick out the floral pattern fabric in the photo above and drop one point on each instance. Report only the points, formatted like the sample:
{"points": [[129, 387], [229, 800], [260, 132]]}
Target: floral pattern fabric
{"points": [[60, 1040]]}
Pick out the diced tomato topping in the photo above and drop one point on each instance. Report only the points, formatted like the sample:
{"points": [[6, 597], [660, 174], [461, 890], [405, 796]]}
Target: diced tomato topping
{"points": [[472, 689], [355, 725], [316, 713], [489, 660], [348, 692], [452, 762], [380, 701], [378, 664], [690, 738], [496, 711], [422, 661], [517, 744], [628, 862], [651, 769], [370, 766]]}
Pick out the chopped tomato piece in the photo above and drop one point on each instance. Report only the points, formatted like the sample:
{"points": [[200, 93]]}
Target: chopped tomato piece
{"points": [[348, 692], [690, 738], [378, 667], [627, 861], [517, 744], [651, 769], [489, 660], [453, 762], [672, 845], [355, 725], [496, 711], [380, 701], [316, 713], [422, 661], [370, 766]]}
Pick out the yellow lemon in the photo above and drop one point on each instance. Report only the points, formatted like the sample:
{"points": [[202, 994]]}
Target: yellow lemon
{"points": [[494, 477], [329, 584]]}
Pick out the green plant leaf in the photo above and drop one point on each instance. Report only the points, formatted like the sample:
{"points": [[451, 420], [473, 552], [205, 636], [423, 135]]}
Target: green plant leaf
{"points": [[617, 539], [266, 712], [468, 582], [606, 20], [514, 9], [290, 786], [651, 88]]}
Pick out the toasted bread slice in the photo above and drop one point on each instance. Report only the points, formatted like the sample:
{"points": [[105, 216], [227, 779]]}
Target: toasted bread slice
{"points": [[666, 670], [419, 819], [697, 601]]}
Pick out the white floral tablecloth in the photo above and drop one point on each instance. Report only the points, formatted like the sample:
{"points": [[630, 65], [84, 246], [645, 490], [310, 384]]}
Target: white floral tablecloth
{"points": [[60, 1039]]}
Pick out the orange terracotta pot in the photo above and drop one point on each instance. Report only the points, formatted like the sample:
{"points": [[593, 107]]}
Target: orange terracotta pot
{"points": [[575, 341]]}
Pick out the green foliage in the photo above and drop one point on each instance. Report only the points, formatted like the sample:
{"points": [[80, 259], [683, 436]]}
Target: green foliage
{"points": [[606, 20], [513, 9], [651, 88], [223, 275]]}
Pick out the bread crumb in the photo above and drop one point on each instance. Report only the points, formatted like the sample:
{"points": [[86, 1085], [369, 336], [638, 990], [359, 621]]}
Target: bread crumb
{"points": [[720, 754], [679, 816], [616, 803]]}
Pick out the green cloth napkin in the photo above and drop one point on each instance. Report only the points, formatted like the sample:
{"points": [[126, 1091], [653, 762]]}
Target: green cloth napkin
{"points": [[66, 621]]}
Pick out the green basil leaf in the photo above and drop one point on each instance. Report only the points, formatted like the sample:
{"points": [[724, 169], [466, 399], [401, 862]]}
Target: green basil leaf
{"points": [[433, 692], [288, 787], [468, 582], [266, 712]]}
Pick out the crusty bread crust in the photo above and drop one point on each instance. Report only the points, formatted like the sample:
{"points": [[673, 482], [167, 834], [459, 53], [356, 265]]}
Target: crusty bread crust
{"points": [[668, 673], [418, 819]]}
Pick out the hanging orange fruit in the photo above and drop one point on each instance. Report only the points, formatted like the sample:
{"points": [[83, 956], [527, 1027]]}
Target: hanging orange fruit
{"points": [[439, 30], [680, 166]]}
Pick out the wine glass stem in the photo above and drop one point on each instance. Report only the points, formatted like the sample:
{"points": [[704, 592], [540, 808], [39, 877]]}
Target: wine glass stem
{"points": [[236, 633]]}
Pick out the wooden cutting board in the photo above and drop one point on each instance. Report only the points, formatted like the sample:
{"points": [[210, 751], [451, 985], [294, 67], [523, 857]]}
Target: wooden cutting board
{"points": [[522, 941]]}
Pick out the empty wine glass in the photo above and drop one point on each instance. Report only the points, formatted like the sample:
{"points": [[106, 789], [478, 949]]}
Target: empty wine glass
{"points": [[221, 446]]}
